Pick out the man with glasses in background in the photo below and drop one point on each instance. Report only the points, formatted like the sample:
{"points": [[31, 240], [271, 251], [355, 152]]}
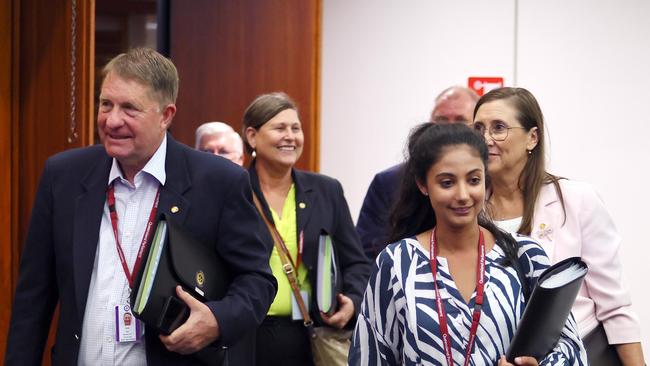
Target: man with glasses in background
{"points": [[454, 105]]}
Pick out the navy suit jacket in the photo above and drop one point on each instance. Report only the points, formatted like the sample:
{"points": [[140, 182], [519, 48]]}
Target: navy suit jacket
{"points": [[215, 205], [321, 205], [373, 225]]}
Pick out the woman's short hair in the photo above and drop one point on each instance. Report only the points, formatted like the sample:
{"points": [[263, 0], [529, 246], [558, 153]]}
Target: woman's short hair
{"points": [[262, 109]]}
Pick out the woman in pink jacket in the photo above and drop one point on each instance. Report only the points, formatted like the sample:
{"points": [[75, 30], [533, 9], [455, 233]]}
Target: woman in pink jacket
{"points": [[566, 217]]}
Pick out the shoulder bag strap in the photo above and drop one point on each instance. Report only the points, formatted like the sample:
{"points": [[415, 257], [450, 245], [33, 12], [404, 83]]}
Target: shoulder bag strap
{"points": [[287, 266]]}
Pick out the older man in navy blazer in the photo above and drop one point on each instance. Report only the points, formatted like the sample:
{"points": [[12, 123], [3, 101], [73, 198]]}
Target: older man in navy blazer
{"points": [[81, 250]]}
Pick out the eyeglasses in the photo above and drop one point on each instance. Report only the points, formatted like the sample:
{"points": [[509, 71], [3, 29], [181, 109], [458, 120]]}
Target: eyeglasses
{"points": [[497, 131]]}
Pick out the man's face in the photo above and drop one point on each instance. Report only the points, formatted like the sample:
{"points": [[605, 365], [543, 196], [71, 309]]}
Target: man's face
{"points": [[453, 109], [130, 122], [222, 144]]}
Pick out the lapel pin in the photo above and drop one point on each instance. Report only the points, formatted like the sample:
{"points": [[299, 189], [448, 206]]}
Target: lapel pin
{"points": [[174, 209], [545, 232], [302, 205]]}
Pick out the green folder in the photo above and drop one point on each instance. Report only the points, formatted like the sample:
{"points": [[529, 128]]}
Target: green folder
{"points": [[151, 267], [328, 282]]}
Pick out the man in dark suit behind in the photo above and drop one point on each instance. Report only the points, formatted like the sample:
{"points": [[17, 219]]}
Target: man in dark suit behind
{"points": [[455, 104], [81, 251]]}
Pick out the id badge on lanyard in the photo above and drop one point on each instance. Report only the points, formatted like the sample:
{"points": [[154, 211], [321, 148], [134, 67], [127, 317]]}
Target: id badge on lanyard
{"points": [[295, 309], [127, 327]]}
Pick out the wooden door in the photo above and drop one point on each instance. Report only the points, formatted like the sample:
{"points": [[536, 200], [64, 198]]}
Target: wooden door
{"points": [[228, 52], [8, 200], [46, 106]]}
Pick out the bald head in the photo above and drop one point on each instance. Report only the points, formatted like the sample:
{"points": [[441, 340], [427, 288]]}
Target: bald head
{"points": [[454, 104]]}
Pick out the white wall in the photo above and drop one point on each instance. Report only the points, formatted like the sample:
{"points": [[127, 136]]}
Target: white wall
{"points": [[383, 65], [586, 61]]}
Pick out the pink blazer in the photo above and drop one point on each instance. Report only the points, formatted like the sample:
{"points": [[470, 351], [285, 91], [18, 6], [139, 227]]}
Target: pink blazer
{"points": [[588, 232]]}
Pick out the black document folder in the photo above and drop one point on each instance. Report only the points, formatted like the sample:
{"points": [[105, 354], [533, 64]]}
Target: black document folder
{"points": [[175, 258], [548, 309]]}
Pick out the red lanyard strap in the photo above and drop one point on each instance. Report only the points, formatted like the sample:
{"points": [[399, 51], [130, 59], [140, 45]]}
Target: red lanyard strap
{"points": [[145, 237], [301, 244], [478, 303]]}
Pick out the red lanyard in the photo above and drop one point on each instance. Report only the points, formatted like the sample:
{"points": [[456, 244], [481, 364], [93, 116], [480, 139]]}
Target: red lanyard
{"points": [[145, 236], [301, 240], [480, 284]]}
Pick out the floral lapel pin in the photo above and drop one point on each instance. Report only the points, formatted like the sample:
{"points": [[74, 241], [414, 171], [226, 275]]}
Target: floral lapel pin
{"points": [[545, 232]]}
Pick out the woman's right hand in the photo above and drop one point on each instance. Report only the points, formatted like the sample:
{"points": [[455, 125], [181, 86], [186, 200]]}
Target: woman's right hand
{"points": [[519, 361], [343, 315]]}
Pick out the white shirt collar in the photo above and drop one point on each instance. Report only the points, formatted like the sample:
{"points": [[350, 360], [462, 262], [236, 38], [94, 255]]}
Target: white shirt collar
{"points": [[155, 166]]}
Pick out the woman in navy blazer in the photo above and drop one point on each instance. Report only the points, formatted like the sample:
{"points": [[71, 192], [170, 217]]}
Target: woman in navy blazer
{"points": [[273, 135]]}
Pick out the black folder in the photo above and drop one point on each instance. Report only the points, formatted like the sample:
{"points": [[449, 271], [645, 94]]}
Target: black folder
{"points": [[184, 261], [547, 311]]}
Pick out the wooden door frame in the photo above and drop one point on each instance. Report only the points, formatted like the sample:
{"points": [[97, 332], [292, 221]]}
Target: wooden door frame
{"points": [[17, 80], [9, 248]]}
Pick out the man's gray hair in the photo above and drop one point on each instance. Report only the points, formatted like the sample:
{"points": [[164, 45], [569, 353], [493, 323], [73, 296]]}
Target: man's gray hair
{"points": [[211, 128], [217, 129]]}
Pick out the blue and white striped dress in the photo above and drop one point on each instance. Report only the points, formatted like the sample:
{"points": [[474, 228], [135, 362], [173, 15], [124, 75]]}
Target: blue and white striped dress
{"points": [[398, 321]]}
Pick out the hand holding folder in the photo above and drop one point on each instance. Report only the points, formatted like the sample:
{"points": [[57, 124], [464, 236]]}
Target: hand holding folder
{"points": [[548, 309], [328, 281], [175, 258]]}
